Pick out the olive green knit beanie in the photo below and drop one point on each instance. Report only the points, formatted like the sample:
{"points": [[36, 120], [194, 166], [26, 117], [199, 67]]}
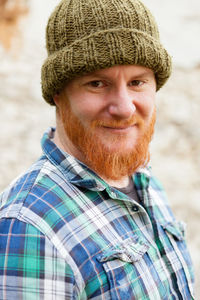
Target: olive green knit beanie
{"points": [[85, 35]]}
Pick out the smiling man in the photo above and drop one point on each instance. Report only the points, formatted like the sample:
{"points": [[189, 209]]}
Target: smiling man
{"points": [[106, 119], [88, 220]]}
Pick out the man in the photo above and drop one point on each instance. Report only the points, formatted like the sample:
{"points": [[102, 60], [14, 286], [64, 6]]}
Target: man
{"points": [[88, 220]]}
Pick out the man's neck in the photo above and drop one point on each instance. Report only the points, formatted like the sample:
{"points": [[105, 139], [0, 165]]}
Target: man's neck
{"points": [[120, 183], [63, 142]]}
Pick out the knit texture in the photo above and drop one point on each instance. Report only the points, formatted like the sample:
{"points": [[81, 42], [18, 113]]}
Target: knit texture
{"points": [[86, 35]]}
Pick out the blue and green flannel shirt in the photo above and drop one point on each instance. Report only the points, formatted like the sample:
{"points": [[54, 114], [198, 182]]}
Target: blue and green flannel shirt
{"points": [[67, 234]]}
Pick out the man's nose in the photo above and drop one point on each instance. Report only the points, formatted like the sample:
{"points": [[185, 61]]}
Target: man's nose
{"points": [[122, 103]]}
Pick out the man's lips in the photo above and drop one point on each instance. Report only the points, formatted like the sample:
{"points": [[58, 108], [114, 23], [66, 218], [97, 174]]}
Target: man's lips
{"points": [[120, 128]]}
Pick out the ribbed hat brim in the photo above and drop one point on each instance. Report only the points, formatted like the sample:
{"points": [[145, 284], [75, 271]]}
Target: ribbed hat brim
{"points": [[104, 49]]}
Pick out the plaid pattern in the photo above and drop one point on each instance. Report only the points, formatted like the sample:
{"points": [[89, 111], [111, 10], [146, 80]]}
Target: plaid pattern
{"points": [[66, 234]]}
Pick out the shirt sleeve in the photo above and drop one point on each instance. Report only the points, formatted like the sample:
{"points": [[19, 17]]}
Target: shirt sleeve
{"points": [[30, 266]]}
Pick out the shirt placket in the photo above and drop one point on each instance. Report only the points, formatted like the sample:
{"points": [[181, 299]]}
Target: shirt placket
{"points": [[144, 224]]}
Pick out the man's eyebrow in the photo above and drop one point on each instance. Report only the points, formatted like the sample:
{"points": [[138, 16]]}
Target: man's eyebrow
{"points": [[100, 74], [95, 73], [146, 74], [142, 74]]}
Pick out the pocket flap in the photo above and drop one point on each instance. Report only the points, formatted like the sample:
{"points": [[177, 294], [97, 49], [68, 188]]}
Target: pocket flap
{"points": [[130, 250], [177, 229]]}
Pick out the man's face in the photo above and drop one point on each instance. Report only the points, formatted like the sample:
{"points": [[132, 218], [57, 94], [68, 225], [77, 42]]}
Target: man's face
{"points": [[108, 118]]}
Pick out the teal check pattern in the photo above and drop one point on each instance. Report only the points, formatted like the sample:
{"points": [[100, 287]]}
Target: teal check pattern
{"points": [[67, 234]]}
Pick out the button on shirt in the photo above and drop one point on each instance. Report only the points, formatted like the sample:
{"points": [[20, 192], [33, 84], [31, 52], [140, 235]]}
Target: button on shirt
{"points": [[130, 191], [67, 234]]}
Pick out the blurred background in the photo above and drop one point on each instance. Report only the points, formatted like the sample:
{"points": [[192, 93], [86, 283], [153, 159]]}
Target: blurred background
{"points": [[24, 115]]}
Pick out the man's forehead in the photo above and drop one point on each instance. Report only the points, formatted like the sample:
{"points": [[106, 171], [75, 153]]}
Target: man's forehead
{"points": [[136, 70]]}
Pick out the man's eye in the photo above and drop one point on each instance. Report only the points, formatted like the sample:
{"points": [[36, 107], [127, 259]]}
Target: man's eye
{"points": [[136, 83], [96, 83]]}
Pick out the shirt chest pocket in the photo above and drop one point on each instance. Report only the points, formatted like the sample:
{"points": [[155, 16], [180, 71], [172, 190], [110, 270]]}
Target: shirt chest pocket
{"points": [[128, 271], [178, 255]]}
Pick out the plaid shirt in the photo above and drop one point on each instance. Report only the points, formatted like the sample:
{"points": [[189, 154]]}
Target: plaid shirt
{"points": [[67, 234]]}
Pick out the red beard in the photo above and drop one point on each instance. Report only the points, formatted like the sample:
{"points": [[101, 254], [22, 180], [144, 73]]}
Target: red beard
{"points": [[108, 163]]}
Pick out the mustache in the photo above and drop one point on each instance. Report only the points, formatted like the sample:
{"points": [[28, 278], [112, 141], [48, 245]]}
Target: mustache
{"points": [[134, 120]]}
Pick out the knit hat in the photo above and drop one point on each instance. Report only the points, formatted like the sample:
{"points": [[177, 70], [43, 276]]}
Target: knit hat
{"points": [[86, 35]]}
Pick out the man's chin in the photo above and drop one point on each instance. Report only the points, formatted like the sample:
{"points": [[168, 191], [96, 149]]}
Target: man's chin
{"points": [[122, 147], [115, 162]]}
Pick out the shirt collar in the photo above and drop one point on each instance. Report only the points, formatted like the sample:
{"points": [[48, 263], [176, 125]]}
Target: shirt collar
{"points": [[77, 172]]}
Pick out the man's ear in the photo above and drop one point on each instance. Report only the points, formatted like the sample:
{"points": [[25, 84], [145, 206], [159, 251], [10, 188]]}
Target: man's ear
{"points": [[56, 99]]}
